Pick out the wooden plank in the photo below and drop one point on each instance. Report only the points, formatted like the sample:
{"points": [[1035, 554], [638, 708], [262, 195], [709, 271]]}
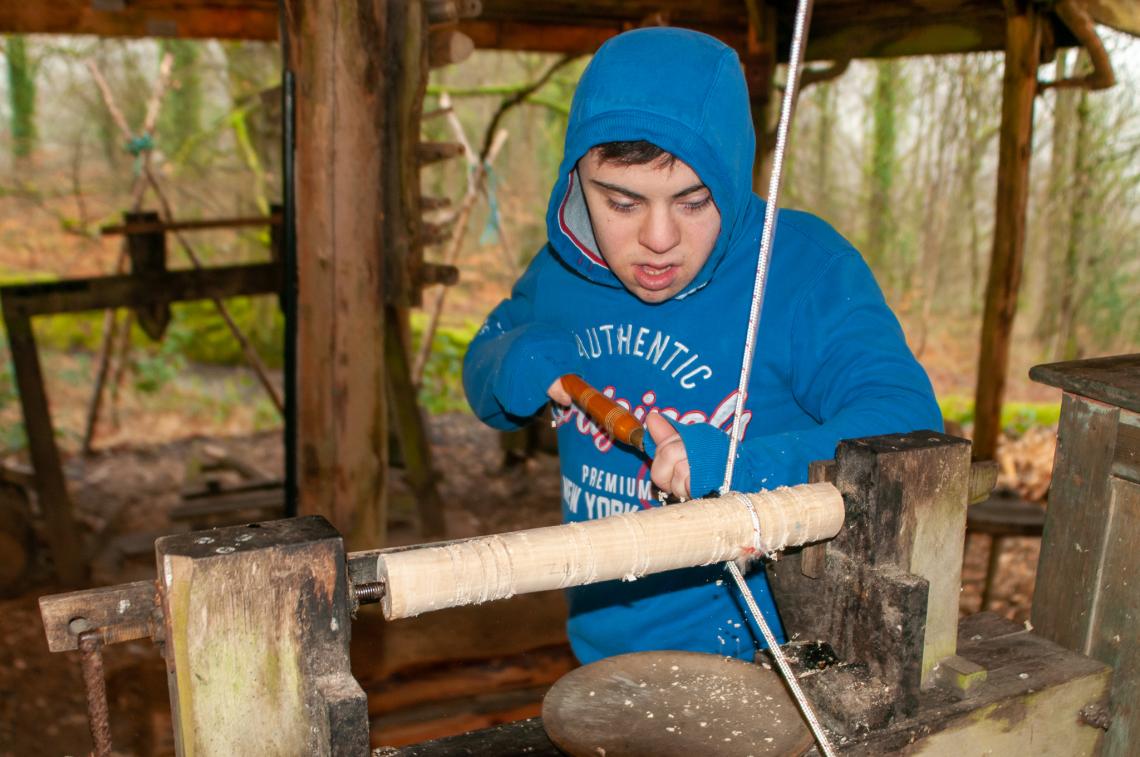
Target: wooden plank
{"points": [[140, 227], [342, 74], [1074, 536], [1116, 616], [140, 290], [268, 674], [1112, 380], [62, 530], [1019, 91], [1006, 516], [65, 616]]}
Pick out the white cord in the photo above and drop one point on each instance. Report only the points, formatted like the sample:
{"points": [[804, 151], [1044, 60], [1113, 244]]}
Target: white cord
{"points": [[795, 62]]}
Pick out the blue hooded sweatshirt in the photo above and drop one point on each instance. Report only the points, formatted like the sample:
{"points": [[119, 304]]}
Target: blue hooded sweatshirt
{"points": [[831, 361]]}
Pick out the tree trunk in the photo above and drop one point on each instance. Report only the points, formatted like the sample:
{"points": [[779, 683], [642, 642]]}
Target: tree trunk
{"points": [[182, 113], [881, 223], [1079, 211], [1057, 193], [21, 97]]}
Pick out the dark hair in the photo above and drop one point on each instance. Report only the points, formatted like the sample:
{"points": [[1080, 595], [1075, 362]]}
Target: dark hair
{"points": [[636, 153]]}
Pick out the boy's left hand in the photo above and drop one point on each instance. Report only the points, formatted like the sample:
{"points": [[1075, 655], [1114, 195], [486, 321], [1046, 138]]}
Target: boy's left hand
{"points": [[670, 469]]}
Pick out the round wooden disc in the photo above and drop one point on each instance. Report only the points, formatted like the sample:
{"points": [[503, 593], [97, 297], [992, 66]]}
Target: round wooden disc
{"points": [[673, 704]]}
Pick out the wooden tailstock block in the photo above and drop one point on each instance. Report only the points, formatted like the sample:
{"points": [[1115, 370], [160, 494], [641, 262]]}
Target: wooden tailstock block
{"points": [[700, 532]]}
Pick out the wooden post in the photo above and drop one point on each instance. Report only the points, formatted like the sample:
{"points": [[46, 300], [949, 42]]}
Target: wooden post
{"points": [[1087, 596], [257, 622], [147, 251], [63, 532], [340, 56], [759, 68], [405, 57], [1019, 88]]}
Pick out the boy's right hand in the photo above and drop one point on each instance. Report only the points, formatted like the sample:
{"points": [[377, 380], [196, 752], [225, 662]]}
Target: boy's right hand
{"points": [[559, 394]]}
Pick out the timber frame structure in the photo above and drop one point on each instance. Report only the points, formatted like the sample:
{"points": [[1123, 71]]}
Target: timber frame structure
{"points": [[354, 236]]}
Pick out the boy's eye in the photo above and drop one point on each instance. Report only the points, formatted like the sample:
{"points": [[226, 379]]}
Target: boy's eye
{"points": [[695, 205], [621, 207]]}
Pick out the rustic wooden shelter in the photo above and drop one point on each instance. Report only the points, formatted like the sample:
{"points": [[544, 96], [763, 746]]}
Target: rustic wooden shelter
{"points": [[356, 71]]}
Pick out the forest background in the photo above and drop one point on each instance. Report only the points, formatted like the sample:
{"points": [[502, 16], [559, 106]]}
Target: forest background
{"points": [[900, 156]]}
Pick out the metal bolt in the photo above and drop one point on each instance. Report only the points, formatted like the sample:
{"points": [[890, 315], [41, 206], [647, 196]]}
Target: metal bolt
{"points": [[370, 593]]}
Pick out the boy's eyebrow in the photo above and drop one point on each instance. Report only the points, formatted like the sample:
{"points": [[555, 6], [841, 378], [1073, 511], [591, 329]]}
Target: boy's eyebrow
{"points": [[635, 196]]}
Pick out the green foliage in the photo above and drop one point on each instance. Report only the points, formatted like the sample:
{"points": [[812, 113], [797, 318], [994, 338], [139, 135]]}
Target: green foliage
{"points": [[1016, 417], [441, 390]]}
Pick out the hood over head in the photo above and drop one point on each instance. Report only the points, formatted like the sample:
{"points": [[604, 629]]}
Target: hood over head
{"points": [[681, 90]]}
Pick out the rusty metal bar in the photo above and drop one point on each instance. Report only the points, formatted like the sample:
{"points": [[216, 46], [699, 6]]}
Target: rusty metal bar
{"points": [[90, 647]]}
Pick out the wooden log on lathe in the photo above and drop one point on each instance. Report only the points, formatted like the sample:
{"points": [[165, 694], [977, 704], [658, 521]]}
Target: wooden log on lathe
{"points": [[630, 546]]}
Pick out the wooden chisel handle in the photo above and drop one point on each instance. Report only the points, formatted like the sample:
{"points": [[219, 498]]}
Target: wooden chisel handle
{"points": [[615, 419]]}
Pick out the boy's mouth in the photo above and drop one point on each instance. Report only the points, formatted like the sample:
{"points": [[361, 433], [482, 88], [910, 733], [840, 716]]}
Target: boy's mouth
{"points": [[655, 278]]}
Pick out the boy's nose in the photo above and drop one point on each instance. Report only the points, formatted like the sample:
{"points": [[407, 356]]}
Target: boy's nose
{"points": [[660, 232]]}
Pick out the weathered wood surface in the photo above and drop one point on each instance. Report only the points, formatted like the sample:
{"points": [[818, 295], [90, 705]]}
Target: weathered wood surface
{"points": [[65, 616], [630, 546], [1088, 576], [342, 77], [1112, 380], [1030, 703], [886, 598], [906, 497], [1015, 145], [1075, 535], [257, 641], [1114, 634]]}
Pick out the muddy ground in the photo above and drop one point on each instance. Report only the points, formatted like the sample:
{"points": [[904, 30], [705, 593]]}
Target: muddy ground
{"points": [[124, 497]]}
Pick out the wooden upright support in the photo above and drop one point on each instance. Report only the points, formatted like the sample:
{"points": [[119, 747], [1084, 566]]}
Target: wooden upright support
{"points": [[147, 251], [340, 55], [1088, 577], [885, 594], [1019, 88], [257, 623]]}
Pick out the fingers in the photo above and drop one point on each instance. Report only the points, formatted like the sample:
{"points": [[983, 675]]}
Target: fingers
{"points": [[660, 429], [558, 393], [670, 468]]}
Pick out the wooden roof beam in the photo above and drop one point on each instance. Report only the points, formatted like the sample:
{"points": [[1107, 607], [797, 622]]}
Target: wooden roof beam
{"points": [[185, 20]]}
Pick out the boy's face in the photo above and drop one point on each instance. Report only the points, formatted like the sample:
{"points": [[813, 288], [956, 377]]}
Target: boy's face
{"points": [[655, 225]]}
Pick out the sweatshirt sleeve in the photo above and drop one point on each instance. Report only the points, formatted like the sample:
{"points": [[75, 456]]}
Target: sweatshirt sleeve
{"points": [[851, 371], [514, 358]]}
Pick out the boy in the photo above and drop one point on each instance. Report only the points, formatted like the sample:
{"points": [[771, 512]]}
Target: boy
{"points": [[644, 290]]}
